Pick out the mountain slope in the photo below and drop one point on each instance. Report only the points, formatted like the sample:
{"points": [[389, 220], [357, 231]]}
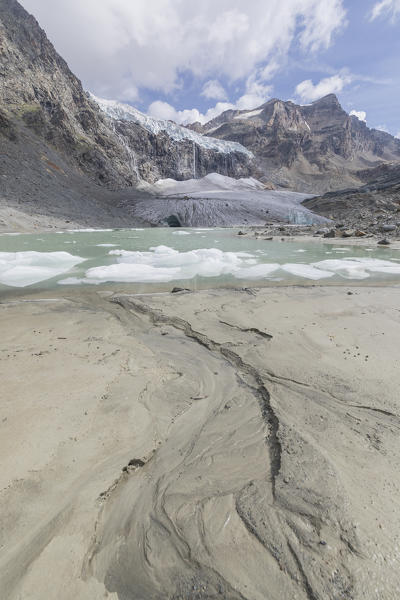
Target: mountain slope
{"points": [[313, 148], [38, 91], [44, 111], [374, 207]]}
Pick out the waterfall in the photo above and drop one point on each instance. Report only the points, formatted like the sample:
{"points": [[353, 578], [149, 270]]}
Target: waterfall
{"points": [[194, 160], [131, 154]]}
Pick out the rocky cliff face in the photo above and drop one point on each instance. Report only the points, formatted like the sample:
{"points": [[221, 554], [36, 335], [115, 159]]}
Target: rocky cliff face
{"points": [[39, 92], [317, 147], [41, 101]]}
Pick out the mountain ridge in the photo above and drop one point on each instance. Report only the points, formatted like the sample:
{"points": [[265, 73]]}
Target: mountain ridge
{"points": [[63, 152], [314, 148], [40, 94]]}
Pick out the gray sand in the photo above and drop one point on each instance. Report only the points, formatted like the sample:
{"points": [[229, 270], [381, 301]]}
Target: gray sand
{"points": [[221, 444]]}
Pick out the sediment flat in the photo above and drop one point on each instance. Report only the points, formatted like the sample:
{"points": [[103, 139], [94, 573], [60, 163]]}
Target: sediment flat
{"points": [[239, 444]]}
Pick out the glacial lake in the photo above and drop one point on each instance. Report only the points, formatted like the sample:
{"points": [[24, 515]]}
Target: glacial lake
{"points": [[158, 259]]}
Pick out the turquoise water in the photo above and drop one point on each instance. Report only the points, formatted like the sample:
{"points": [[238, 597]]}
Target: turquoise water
{"points": [[158, 259]]}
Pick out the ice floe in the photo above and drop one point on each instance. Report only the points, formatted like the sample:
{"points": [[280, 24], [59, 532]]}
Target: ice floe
{"points": [[88, 230], [20, 269], [306, 271], [358, 267], [165, 264]]}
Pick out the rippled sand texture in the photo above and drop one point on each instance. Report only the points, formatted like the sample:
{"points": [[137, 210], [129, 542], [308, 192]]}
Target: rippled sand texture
{"points": [[240, 445]]}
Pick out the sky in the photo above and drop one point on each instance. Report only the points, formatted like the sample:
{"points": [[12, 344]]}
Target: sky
{"points": [[188, 60]]}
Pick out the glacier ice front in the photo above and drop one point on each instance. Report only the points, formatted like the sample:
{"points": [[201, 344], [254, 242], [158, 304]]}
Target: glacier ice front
{"points": [[125, 112], [20, 269], [216, 198]]}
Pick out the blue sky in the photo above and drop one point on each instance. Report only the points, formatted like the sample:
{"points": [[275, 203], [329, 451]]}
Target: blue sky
{"points": [[188, 60]]}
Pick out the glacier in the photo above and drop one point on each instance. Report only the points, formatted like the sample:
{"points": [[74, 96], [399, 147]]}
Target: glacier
{"points": [[124, 112], [218, 199]]}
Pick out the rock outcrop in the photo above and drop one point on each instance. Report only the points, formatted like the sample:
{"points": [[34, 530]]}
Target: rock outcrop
{"points": [[374, 207], [312, 148]]}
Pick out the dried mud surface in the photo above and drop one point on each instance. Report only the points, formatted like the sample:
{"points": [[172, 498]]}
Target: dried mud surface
{"points": [[236, 444]]}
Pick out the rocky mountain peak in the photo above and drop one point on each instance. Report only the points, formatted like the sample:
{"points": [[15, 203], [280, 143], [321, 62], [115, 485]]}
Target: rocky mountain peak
{"points": [[328, 100], [313, 148]]}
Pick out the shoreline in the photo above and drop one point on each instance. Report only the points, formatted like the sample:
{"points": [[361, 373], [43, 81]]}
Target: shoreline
{"points": [[306, 234]]}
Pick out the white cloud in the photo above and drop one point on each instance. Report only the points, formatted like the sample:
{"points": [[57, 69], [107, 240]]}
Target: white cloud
{"points": [[390, 8], [382, 128], [307, 91], [213, 90], [120, 46], [397, 136], [163, 110], [360, 114], [256, 94]]}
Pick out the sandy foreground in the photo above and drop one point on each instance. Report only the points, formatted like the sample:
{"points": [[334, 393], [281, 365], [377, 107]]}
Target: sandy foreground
{"points": [[223, 444]]}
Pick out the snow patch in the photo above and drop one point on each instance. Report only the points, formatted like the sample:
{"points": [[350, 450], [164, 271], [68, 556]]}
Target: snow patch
{"points": [[247, 115], [210, 184]]}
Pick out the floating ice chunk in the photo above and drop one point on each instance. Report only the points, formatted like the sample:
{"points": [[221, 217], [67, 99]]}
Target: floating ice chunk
{"points": [[90, 230], [20, 269], [345, 268], [131, 273], [358, 267], [301, 250], [306, 271], [162, 264], [375, 265], [181, 233], [260, 271], [71, 281], [105, 245]]}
